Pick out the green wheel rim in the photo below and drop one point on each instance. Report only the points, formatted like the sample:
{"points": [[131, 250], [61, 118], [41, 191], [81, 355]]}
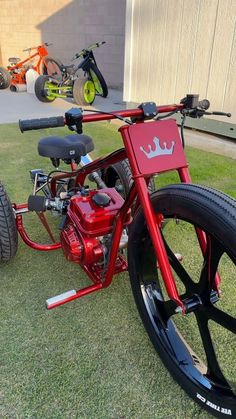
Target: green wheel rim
{"points": [[89, 91], [96, 82], [48, 87]]}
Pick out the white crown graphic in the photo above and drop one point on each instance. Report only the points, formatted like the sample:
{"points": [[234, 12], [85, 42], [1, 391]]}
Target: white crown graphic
{"points": [[159, 151]]}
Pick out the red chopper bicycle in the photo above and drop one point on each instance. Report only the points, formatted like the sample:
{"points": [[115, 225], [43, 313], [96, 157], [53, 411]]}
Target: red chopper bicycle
{"points": [[15, 73], [183, 298]]}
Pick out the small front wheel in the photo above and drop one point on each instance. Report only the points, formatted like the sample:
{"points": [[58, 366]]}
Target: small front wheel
{"points": [[84, 91], [8, 231], [43, 89], [5, 78]]}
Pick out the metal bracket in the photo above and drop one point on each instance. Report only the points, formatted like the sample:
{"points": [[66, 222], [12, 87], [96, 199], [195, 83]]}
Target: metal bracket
{"points": [[149, 111]]}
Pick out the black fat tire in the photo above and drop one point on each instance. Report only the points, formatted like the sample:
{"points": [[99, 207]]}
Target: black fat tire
{"points": [[78, 91], [54, 71], [40, 91], [120, 172], [100, 79], [5, 78], [215, 213], [8, 231]]}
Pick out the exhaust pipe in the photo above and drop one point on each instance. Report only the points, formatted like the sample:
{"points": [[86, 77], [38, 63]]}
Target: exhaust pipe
{"points": [[18, 87]]}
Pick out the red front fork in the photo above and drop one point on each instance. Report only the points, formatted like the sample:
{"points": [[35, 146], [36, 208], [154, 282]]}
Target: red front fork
{"points": [[151, 221], [153, 228]]}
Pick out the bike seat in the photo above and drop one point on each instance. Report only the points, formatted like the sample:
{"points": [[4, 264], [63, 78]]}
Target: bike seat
{"points": [[69, 68], [68, 148], [13, 60]]}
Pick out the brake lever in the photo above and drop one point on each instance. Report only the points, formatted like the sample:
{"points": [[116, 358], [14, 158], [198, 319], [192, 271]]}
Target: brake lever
{"points": [[198, 113], [228, 114]]}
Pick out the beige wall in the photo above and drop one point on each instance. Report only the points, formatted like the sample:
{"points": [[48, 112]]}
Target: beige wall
{"points": [[174, 47], [70, 26]]}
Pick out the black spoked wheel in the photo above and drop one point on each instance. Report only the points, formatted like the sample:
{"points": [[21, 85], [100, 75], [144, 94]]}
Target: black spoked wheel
{"points": [[52, 67], [119, 176], [43, 89], [98, 80], [8, 231], [5, 78], [197, 348]]}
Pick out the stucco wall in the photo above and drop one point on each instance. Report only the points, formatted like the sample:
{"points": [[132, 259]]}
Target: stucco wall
{"points": [[70, 26]]}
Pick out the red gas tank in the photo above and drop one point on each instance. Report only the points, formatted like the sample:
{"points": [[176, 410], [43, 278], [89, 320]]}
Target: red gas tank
{"points": [[93, 213]]}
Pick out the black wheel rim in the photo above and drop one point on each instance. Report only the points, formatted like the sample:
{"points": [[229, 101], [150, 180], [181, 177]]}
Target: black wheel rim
{"points": [[201, 344]]}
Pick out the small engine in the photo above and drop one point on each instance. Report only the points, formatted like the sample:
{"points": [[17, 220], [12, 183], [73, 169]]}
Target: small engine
{"points": [[89, 218], [90, 221]]}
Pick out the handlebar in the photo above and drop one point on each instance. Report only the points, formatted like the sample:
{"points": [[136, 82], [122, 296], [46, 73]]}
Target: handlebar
{"points": [[90, 48], [29, 49], [75, 117], [96, 45], [61, 121]]}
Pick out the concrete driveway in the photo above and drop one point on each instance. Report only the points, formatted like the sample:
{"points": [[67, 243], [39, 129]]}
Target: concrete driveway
{"points": [[23, 105]]}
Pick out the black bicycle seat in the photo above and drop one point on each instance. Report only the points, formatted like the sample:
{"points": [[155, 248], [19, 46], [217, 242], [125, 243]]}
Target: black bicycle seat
{"points": [[68, 148], [69, 68]]}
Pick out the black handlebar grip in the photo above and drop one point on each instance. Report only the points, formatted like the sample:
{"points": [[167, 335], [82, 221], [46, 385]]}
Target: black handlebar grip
{"points": [[30, 124], [222, 114], [204, 104]]}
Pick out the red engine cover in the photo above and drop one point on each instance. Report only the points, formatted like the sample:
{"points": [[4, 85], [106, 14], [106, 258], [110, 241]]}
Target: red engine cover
{"points": [[81, 249], [92, 220]]}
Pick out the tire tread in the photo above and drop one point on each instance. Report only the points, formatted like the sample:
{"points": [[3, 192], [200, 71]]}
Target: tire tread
{"points": [[8, 231]]}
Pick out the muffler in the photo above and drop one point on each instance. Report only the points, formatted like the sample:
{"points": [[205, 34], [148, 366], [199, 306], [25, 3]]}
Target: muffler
{"points": [[18, 87]]}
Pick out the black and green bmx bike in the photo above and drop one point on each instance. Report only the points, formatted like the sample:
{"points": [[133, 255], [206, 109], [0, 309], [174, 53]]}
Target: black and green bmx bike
{"points": [[82, 88]]}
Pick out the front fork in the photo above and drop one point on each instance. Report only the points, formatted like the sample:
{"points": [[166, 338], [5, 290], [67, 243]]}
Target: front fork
{"points": [[158, 244]]}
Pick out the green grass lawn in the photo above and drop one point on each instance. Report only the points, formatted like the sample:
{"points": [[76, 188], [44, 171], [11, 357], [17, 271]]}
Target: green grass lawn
{"points": [[90, 358]]}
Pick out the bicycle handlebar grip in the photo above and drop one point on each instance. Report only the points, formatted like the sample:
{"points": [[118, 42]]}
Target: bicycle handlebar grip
{"points": [[228, 114], [30, 124], [204, 104]]}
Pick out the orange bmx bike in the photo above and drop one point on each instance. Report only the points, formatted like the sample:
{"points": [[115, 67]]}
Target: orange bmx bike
{"points": [[39, 60]]}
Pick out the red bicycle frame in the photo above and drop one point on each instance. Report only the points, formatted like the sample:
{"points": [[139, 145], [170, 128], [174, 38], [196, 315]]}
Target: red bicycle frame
{"points": [[151, 147], [19, 77]]}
